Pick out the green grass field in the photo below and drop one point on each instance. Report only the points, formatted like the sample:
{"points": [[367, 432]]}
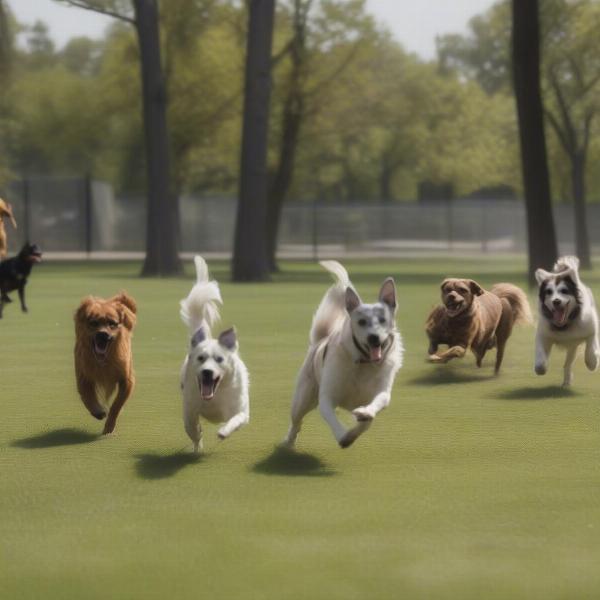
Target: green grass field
{"points": [[468, 486]]}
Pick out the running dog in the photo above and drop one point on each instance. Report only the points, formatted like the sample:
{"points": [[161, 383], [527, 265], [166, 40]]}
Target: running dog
{"points": [[214, 380], [354, 354], [568, 317], [471, 317], [103, 359], [5, 211], [14, 273]]}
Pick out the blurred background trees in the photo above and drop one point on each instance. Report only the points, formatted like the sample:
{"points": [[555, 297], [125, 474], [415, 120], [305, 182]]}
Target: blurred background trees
{"points": [[354, 117]]}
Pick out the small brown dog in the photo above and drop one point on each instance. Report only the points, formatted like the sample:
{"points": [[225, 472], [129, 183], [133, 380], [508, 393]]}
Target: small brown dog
{"points": [[5, 211], [471, 317], [103, 361]]}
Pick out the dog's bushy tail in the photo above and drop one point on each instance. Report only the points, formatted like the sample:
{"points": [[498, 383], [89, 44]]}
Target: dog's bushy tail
{"points": [[517, 299], [200, 307], [564, 263], [332, 310]]}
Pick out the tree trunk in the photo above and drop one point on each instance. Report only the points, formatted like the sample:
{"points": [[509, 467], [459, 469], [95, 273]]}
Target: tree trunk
{"points": [[582, 243], [250, 250], [162, 252], [526, 73]]}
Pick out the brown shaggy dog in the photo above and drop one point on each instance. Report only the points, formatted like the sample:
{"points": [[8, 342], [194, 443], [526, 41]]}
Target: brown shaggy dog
{"points": [[103, 361], [5, 211], [471, 317]]}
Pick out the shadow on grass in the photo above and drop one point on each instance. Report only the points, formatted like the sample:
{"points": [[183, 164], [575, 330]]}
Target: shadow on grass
{"points": [[283, 461], [59, 437], [548, 392], [161, 466], [444, 375]]}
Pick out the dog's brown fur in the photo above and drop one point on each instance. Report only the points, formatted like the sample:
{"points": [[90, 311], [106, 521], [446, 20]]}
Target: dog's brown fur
{"points": [[471, 317], [5, 211], [96, 374]]}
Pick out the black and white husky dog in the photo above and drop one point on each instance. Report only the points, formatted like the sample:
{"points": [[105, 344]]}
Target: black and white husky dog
{"points": [[568, 317]]}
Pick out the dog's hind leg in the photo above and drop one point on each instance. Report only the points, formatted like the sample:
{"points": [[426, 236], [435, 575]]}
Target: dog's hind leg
{"points": [[89, 397], [568, 366], [592, 353], [125, 389], [22, 298], [305, 400]]}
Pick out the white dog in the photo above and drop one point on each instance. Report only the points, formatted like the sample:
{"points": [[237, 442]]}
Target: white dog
{"points": [[214, 380], [568, 317], [354, 353]]}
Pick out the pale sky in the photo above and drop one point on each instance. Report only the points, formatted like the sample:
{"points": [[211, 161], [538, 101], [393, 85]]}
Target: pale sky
{"points": [[415, 23]]}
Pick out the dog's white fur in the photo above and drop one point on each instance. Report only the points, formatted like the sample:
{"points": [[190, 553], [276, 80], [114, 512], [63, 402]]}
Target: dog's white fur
{"points": [[567, 329], [340, 371], [224, 399]]}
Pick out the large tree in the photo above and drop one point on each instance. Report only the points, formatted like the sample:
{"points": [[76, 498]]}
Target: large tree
{"points": [[162, 240], [249, 261], [536, 180]]}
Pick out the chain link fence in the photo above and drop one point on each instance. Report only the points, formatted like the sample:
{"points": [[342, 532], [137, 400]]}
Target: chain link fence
{"points": [[74, 216]]}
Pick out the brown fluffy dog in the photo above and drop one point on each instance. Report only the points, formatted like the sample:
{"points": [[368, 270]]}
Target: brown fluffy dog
{"points": [[471, 317], [103, 361], [5, 211]]}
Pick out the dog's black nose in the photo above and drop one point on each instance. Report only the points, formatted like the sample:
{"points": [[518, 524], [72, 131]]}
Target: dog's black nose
{"points": [[102, 336], [557, 301], [374, 340], [207, 374]]}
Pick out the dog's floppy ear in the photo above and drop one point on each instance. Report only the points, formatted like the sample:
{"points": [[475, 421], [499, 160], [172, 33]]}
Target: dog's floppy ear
{"points": [[476, 289], [541, 275], [82, 311], [198, 337], [126, 300], [127, 309], [352, 300], [228, 339], [387, 293]]}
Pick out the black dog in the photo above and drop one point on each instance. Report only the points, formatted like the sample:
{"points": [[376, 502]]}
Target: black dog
{"points": [[14, 273]]}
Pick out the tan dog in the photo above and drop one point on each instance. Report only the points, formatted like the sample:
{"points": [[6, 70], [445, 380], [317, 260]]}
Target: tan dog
{"points": [[471, 317], [5, 211], [103, 361]]}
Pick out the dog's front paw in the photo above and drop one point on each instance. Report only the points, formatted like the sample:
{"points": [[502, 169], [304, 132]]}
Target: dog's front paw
{"points": [[362, 413], [541, 369], [434, 358], [348, 439], [109, 427], [25, 309], [222, 434], [99, 415]]}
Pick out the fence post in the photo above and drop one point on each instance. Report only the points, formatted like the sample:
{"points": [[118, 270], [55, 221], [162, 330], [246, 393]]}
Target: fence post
{"points": [[315, 231], [26, 209], [88, 213]]}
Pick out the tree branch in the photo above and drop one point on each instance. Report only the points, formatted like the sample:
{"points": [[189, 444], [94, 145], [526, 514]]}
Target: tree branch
{"points": [[97, 9]]}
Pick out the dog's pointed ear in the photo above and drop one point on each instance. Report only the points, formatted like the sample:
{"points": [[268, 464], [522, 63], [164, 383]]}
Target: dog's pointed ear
{"points": [[82, 310], [476, 289], [387, 293], [198, 337], [353, 300], [541, 275], [228, 339]]}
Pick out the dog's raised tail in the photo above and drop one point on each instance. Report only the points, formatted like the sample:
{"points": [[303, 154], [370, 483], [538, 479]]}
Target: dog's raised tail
{"points": [[564, 263], [200, 308], [332, 309], [517, 299]]}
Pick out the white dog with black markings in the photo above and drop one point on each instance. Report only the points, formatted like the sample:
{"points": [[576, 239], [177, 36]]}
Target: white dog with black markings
{"points": [[354, 354], [214, 380], [568, 317]]}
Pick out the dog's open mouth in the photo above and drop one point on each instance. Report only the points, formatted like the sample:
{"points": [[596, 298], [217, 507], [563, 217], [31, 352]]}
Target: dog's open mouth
{"points": [[453, 308], [560, 314], [375, 353], [101, 344], [35, 258], [208, 386]]}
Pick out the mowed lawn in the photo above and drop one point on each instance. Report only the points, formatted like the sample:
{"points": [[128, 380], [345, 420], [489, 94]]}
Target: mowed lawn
{"points": [[467, 486]]}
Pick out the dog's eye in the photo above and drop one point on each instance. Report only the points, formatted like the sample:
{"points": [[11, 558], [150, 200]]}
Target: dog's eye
{"points": [[201, 358], [382, 320], [362, 322], [548, 292], [112, 324], [94, 323], [219, 359], [564, 291]]}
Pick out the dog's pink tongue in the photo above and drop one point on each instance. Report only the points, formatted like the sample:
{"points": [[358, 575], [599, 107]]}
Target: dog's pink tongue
{"points": [[560, 315], [375, 353], [206, 390]]}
